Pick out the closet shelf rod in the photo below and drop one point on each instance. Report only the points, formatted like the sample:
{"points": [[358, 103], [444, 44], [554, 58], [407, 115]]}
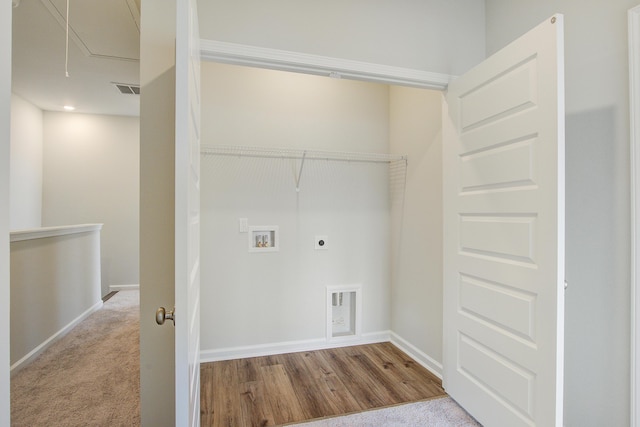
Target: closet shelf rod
{"points": [[291, 154]]}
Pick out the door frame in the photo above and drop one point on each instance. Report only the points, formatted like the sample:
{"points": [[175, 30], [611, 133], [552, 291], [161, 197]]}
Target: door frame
{"points": [[5, 129], [297, 62], [634, 134]]}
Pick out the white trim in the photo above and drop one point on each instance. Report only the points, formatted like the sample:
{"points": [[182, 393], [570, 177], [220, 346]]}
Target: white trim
{"points": [[116, 288], [289, 347], [40, 233], [5, 127], [419, 356], [254, 56], [231, 353], [634, 110], [53, 338]]}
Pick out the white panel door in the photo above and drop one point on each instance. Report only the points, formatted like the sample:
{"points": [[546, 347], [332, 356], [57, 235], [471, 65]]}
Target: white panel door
{"points": [[503, 159], [169, 212], [187, 215]]}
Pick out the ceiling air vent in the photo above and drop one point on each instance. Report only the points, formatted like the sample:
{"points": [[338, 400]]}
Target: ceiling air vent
{"points": [[127, 89]]}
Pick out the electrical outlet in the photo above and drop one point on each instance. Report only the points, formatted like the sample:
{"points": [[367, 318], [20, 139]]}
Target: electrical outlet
{"points": [[321, 243]]}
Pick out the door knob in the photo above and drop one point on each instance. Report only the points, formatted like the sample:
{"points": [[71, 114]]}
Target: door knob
{"points": [[162, 314]]}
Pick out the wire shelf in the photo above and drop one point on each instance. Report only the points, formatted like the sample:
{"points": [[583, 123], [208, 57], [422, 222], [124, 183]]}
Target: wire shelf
{"points": [[298, 154], [302, 156]]}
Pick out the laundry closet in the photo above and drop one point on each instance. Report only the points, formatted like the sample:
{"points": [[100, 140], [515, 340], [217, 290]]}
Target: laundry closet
{"points": [[321, 214]]}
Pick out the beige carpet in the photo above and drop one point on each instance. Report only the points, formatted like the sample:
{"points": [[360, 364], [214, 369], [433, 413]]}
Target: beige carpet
{"points": [[440, 412], [91, 377]]}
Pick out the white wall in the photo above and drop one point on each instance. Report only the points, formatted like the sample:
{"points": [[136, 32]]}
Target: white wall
{"points": [[26, 164], [5, 123], [91, 175], [253, 299], [55, 283], [597, 204], [416, 303], [429, 35]]}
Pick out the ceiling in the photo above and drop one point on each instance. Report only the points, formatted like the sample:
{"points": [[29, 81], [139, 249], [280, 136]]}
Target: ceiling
{"points": [[104, 48]]}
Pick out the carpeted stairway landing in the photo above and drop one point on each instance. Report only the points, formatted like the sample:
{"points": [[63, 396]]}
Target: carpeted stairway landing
{"points": [[90, 377]]}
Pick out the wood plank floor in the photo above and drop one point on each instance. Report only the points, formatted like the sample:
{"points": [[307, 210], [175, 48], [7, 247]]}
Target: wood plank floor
{"points": [[296, 387]]}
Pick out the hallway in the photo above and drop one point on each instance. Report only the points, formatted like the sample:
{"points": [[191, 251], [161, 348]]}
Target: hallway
{"points": [[90, 377]]}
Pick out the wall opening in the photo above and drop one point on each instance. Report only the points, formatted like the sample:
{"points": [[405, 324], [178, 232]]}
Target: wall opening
{"points": [[344, 311]]}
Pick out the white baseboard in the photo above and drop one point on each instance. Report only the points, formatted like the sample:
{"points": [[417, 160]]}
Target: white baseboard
{"points": [[53, 338], [290, 347], [231, 353], [422, 358], [116, 288]]}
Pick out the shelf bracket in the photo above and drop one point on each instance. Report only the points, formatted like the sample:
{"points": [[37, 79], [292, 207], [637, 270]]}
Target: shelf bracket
{"points": [[304, 155]]}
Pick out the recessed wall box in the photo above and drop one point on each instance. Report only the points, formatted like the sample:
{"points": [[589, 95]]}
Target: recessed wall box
{"points": [[264, 238], [344, 312]]}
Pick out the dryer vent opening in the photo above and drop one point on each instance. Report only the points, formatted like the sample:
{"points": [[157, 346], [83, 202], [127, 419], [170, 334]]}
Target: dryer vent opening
{"points": [[343, 312]]}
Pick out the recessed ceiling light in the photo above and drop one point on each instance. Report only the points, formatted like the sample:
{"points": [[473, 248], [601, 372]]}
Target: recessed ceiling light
{"points": [[69, 108]]}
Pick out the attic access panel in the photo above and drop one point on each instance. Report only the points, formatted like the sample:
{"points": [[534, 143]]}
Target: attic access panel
{"points": [[101, 29]]}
